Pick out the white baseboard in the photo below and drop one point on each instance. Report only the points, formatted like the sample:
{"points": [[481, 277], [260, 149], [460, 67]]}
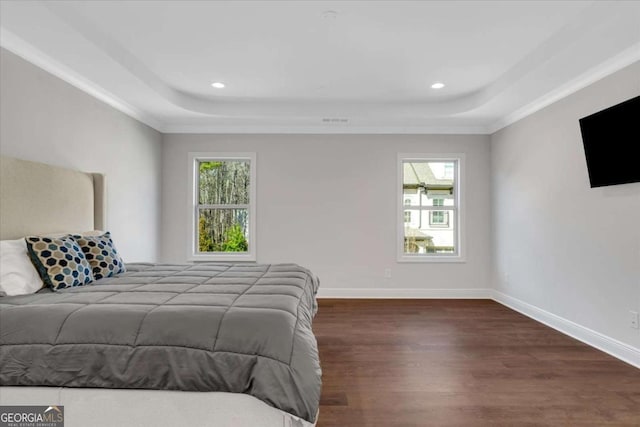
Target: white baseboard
{"points": [[395, 293], [595, 339]]}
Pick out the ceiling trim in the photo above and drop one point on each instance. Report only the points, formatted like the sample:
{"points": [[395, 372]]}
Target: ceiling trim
{"points": [[246, 106], [616, 63], [31, 54], [15, 44], [591, 17], [345, 129]]}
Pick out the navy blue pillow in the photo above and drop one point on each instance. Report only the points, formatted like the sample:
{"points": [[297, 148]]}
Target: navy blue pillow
{"points": [[102, 255], [59, 261]]}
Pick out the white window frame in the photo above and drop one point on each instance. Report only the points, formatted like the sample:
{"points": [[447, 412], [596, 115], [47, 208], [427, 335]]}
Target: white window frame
{"points": [[458, 208], [193, 254]]}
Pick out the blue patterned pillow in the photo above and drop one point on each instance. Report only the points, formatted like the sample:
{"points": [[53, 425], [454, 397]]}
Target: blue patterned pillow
{"points": [[101, 254], [59, 261]]}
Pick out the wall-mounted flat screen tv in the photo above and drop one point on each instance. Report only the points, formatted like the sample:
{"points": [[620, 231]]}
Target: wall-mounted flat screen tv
{"points": [[611, 140]]}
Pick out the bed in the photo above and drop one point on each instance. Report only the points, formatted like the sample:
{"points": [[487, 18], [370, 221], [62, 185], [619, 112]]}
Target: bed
{"points": [[201, 344]]}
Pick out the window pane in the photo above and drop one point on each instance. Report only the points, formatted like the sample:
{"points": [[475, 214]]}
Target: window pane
{"points": [[223, 182], [223, 230], [439, 218], [424, 182], [430, 232]]}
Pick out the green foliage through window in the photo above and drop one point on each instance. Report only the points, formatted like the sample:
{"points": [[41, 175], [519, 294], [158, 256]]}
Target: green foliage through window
{"points": [[233, 238], [223, 199]]}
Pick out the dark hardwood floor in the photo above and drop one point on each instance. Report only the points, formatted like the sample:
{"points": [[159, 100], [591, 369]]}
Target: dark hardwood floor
{"points": [[463, 363]]}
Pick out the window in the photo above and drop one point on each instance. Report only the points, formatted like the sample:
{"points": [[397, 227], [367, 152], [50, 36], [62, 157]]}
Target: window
{"points": [[223, 208], [432, 185], [438, 218]]}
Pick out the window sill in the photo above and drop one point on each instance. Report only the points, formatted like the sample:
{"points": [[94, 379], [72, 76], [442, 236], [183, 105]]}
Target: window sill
{"points": [[222, 258], [432, 259]]}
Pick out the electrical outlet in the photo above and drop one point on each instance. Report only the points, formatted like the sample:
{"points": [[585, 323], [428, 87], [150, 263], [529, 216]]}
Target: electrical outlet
{"points": [[633, 319], [387, 273]]}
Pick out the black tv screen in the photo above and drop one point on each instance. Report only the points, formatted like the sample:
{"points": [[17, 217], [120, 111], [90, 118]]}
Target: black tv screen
{"points": [[611, 140]]}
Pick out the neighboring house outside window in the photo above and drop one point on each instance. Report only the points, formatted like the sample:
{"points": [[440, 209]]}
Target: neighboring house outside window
{"points": [[438, 218], [449, 170], [223, 207], [430, 223]]}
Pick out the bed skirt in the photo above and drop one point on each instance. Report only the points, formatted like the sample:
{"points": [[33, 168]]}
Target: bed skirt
{"points": [[158, 408]]}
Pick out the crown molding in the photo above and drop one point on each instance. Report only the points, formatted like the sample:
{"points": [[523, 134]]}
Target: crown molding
{"points": [[283, 129], [616, 63], [31, 54]]}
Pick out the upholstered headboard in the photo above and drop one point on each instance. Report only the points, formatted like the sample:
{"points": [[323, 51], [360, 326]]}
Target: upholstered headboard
{"points": [[36, 198]]}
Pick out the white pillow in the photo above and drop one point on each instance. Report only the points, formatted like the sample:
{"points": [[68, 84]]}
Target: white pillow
{"points": [[18, 276]]}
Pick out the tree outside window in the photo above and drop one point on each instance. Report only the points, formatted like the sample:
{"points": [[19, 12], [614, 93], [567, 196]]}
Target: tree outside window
{"points": [[223, 194]]}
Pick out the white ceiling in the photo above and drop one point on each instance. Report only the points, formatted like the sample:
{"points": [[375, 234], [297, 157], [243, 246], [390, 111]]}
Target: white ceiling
{"points": [[325, 66]]}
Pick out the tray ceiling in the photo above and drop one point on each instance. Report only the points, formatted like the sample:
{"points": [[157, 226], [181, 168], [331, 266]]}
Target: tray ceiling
{"points": [[321, 66]]}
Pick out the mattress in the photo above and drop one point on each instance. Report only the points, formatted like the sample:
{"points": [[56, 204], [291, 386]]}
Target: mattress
{"points": [[205, 327]]}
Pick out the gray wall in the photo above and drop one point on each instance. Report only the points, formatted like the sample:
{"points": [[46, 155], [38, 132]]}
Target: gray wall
{"points": [[560, 245], [43, 118], [328, 202]]}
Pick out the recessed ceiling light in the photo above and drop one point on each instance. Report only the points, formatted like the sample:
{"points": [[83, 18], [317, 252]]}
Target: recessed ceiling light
{"points": [[218, 85], [437, 85]]}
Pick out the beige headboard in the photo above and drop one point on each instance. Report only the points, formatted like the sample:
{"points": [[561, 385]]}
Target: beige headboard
{"points": [[36, 198]]}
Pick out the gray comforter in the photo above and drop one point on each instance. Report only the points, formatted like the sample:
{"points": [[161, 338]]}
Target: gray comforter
{"points": [[204, 327]]}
